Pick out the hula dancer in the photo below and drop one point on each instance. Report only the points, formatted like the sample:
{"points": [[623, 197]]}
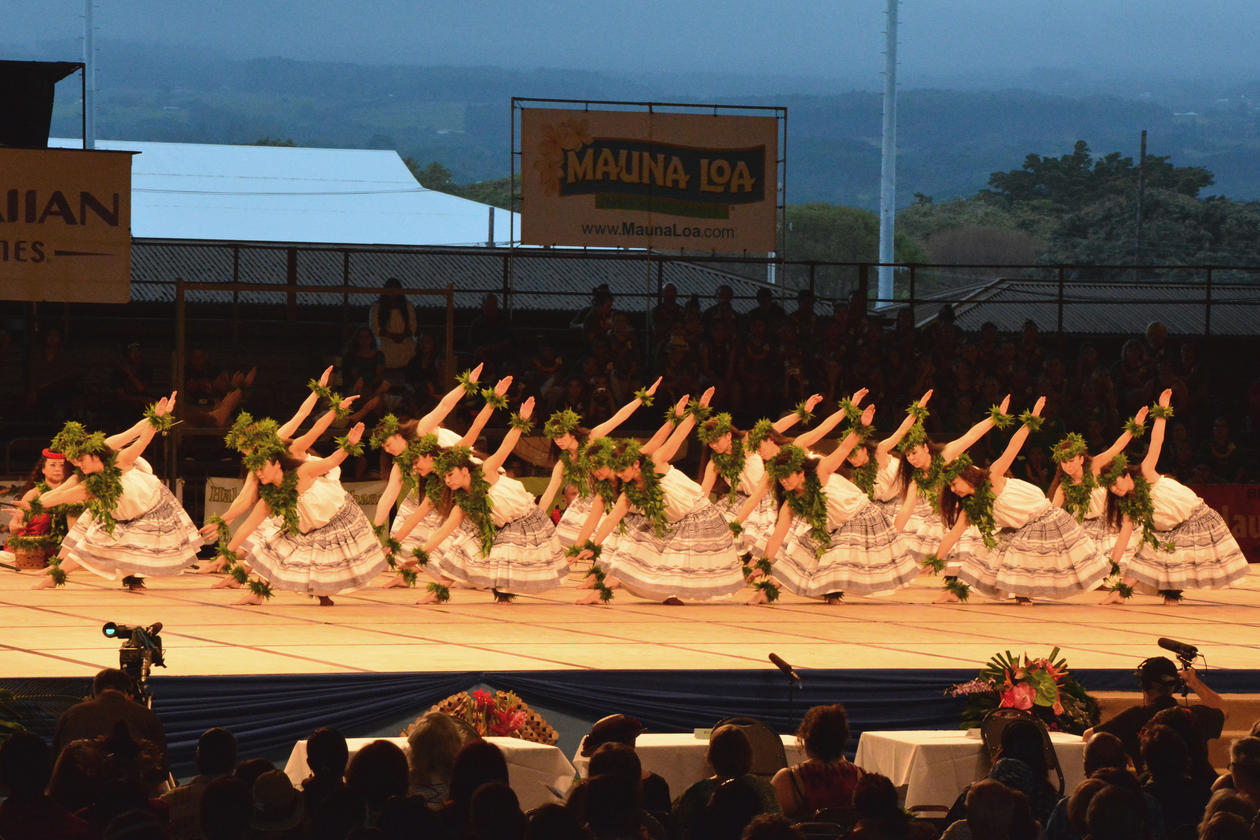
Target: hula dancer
{"points": [[878, 471], [1184, 544], [36, 529], [1075, 487], [1031, 549], [306, 533], [564, 429], [743, 474], [834, 539], [920, 514], [684, 549], [513, 548], [393, 435], [412, 475], [132, 525]]}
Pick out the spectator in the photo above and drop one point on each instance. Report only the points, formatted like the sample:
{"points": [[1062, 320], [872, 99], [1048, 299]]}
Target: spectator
{"points": [[113, 700], [730, 757], [623, 729], [880, 815], [215, 758], [994, 812], [1244, 768], [278, 810], [490, 338], [553, 822], [826, 779], [1115, 813], [1168, 780], [771, 827], [250, 769], [1020, 764], [28, 813], [392, 320], [620, 761], [730, 809], [226, 809], [766, 310], [721, 311], [374, 774], [1190, 728], [1222, 454], [1227, 802], [432, 745], [478, 763], [53, 381], [424, 372], [496, 813]]}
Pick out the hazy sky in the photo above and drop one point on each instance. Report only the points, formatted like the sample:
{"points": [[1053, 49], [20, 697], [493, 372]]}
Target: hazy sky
{"points": [[841, 39]]}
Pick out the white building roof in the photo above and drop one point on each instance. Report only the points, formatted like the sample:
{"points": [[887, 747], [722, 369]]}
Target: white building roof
{"points": [[285, 194]]}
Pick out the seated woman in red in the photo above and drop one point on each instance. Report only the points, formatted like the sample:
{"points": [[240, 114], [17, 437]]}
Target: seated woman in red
{"points": [[826, 779]]}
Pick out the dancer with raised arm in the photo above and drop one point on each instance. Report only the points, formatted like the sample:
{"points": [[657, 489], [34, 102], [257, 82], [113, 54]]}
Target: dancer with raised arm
{"points": [[1075, 487], [412, 472], [743, 474], [1183, 544], [920, 514], [1030, 548], [564, 429], [132, 526], [683, 550], [879, 471], [513, 549], [306, 533], [833, 538]]}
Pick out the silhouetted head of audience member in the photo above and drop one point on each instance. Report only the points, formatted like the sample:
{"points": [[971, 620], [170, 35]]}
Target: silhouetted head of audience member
{"points": [[478, 763], [112, 679], [1022, 740], [619, 729], [1181, 721], [1164, 754], [1225, 827], [1116, 814], [1228, 802], [875, 798], [730, 753], [377, 772], [995, 812], [771, 827], [824, 732], [1104, 750], [278, 806], [1078, 803], [25, 766], [409, 816], [1157, 677], [495, 813], [553, 822], [227, 806], [611, 806], [73, 781], [730, 809], [432, 745], [327, 753], [1244, 766], [216, 752], [618, 760], [250, 769]]}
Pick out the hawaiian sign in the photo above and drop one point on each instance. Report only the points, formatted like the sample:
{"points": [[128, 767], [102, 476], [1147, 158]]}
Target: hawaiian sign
{"points": [[65, 225], [635, 179]]}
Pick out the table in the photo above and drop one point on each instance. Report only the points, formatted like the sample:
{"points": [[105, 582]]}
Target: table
{"points": [[678, 757], [539, 773], [933, 765]]}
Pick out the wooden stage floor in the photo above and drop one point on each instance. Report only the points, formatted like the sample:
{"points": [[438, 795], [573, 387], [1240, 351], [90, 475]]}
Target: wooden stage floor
{"points": [[58, 633]]}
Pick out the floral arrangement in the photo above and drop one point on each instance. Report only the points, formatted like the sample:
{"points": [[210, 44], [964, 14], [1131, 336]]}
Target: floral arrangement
{"points": [[498, 713], [1041, 686]]}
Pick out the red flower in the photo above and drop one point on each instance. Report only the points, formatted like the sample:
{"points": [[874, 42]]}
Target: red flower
{"points": [[482, 698], [1019, 697]]}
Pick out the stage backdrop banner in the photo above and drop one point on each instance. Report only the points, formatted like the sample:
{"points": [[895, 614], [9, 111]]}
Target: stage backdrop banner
{"points": [[1239, 506], [634, 179], [65, 225], [221, 491]]}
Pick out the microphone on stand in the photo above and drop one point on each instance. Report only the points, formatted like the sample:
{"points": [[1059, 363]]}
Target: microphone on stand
{"points": [[784, 667]]}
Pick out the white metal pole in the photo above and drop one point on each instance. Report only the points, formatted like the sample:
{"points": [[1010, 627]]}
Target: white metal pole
{"points": [[888, 159], [89, 70]]}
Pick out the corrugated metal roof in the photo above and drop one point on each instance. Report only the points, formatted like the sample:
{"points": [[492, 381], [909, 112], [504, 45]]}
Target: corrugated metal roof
{"points": [[1114, 308], [284, 194], [539, 281]]}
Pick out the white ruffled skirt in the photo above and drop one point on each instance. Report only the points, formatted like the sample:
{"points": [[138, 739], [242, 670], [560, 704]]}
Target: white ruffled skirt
{"points": [[694, 560], [161, 541], [1051, 556], [1204, 556], [865, 555]]}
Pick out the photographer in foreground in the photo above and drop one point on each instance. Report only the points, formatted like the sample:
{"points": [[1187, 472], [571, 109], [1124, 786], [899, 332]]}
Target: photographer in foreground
{"points": [[1159, 680], [113, 700]]}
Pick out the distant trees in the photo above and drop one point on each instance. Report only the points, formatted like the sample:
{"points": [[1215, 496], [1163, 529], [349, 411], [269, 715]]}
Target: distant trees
{"points": [[435, 176]]}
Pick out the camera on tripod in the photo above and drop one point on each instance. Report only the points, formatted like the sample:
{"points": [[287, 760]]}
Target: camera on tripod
{"points": [[141, 650]]}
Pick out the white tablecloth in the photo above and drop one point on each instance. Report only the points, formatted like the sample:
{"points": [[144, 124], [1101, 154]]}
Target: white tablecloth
{"points": [[679, 757], [934, 765], [539, 773]]}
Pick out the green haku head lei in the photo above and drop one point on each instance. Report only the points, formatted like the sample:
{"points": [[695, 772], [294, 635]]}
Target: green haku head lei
{"points": [[631, 453], [386, 429], [237, 434], [69, 436], [598, 452], [88, 444], [791, 459], [955, 467], [1071, 446], [1114, 470], [917, 434], [262, 444], [561, 423], [713, 428], [759, 432], [475, 501]]}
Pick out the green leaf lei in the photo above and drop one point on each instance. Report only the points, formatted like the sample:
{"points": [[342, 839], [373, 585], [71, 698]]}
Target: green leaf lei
{"points": [[1161, 412], [979, 509], [606, 490], [1033, 422], [475, 501], [104, 490], [864, 477], [698, 410], [934, 564], [494, 399], [759, 432], [72, 434], [163, 423], [1076, 496], [523, 424], [769, 588], [261, 588], [330, 398], [730, 466], [811, 505], [929, 481], [383, 431], [465, 381], [421, 556], [441, 593], [643, 397], [958, 589], [354, 450], [1134, 428], [282, 501], [713, 429], [561, 423], [650, 499], [671, 417], [802, 412], [1071, 446], [55, 572], [1137, 506], [1000, 419], [574, 471], [852, 414]]}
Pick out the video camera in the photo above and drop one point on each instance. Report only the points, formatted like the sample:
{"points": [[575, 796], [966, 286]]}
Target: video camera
{"points": [[141, 649]]}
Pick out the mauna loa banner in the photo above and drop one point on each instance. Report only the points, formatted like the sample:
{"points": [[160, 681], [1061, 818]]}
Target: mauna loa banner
{"points": [[648, 180]]}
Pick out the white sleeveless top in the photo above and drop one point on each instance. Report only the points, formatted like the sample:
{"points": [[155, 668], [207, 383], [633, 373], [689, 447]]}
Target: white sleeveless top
{"points": [[753, 474], [446, 438], [509, 501], [1018, 503], [886, 488], [1173, 503], [319, 503], [844, 500], [683, 496], [140, 491]]}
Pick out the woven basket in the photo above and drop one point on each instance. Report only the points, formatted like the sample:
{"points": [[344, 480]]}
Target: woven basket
{"points": [[29, 557]]}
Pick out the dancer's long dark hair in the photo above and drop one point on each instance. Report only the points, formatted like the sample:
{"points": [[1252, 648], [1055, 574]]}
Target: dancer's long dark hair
{"points": [[951, 502]]}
